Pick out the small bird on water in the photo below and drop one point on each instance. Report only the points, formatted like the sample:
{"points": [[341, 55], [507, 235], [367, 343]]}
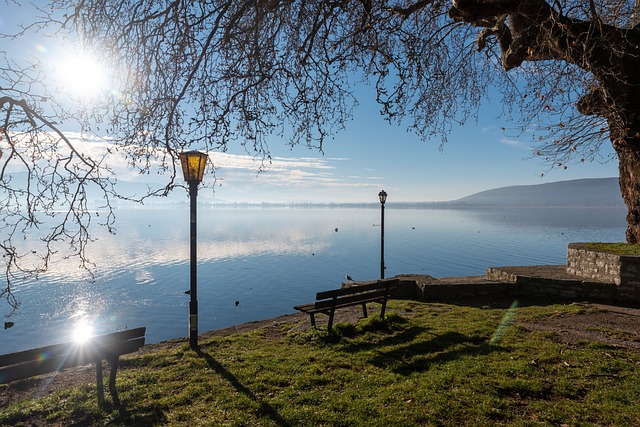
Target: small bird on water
{"points": [[349, 278], [8, 325]]}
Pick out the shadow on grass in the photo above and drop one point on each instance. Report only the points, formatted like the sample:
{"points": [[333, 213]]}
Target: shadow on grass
{"points": [[265, 408], [152, 415], [419, 356], [407, 335], [82, 410]]}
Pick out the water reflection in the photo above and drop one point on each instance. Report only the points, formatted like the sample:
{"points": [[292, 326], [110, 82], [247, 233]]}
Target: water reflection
{"points": [[556, 217], [143, 240], [272, 259]]}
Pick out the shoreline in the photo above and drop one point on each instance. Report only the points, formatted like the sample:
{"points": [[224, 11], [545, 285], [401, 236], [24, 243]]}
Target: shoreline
{"points": [[567, 330]]}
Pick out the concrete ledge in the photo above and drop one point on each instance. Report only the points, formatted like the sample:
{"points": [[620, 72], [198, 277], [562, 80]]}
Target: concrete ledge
{"points": [[545, 281], [554, 281]]}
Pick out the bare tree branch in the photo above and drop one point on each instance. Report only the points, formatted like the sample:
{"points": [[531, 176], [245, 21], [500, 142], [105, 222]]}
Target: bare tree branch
{"points": [[208, 74]]}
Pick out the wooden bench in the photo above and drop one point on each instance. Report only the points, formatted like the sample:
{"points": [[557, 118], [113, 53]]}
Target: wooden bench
{"points": [[55, 358], [328, 301]]}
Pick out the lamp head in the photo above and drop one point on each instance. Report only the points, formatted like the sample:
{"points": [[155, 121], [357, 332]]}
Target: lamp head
{"points": [[383, 196], [193, 165]]}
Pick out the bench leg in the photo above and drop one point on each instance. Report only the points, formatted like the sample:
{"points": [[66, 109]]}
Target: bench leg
{"points": [[330, 324], [364, 309], [99, 383], [312, 319], [384, 307], [112, 380]]}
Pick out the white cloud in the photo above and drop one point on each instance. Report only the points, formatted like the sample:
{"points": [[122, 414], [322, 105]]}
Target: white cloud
{"points": [[242, 177], [511, 142]]}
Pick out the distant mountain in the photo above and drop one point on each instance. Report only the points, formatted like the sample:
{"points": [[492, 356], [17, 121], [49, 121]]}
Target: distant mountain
{"points": [[579, 192]]}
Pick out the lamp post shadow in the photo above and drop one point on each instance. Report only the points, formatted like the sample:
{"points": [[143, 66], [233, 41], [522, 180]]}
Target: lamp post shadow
{"points": [[224, 373]]}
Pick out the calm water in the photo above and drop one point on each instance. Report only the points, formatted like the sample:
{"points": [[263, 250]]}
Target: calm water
{"points": [[270, 259]]}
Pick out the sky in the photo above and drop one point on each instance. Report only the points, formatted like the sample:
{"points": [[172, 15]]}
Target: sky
{"points": [[370, 155]]}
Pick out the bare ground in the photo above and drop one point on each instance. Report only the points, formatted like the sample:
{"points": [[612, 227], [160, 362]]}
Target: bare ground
{"points": [[611, 325]]}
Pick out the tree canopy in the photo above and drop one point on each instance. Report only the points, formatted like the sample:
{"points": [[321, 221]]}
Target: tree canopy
{"points": [[208, 74]]}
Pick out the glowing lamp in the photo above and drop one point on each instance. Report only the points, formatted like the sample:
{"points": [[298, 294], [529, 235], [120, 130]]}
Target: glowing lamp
{"points": [[193, 165]]}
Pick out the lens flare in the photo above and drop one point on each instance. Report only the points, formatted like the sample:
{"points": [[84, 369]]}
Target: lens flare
{"points": [[82, 332], [505, 323]]}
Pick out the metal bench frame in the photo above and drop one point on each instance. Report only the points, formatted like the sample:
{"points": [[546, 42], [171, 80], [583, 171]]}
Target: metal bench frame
{"points": [[327, 302], [55, 358]]}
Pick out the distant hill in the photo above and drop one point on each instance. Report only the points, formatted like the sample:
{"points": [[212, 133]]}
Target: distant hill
{"points": [[579, 192]]}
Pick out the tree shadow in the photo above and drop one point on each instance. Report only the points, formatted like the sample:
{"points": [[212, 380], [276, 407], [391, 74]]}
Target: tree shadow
{"points": [[151, 415], [407, 335], [265, 408], [420, 356]]}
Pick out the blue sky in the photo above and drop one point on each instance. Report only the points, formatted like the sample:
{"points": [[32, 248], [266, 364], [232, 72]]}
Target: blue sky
{"points": [[371, 155]]}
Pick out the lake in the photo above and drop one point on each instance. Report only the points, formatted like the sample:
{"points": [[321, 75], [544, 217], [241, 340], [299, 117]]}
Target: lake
{"points": [[270, 259]]}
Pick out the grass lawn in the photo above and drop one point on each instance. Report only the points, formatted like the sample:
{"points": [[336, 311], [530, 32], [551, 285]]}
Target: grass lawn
{"points": [[437, 364], [614, 248]]}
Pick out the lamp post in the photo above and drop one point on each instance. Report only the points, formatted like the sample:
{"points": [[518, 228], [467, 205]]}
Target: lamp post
{"points": [[193, 164], [383, 198]]}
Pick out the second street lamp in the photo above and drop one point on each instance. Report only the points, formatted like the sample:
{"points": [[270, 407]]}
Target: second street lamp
{"points": [[383, 198], [193, 165]]}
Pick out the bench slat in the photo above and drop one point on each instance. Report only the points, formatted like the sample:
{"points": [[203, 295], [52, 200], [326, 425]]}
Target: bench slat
{"points": [[77, 356], [33, 354], [311, 309], [33, 368], [351, 300], [325, 306], [358, 289], [328, 301], [115, 349], [304, 307], [42, 353], [52, 350], [119, 336]]}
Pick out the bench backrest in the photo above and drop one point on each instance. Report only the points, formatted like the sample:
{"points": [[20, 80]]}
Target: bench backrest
{"points": [[37, 361], [355, 293]]}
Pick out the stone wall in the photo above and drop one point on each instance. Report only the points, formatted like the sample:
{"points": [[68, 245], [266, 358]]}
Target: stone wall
{"points": [[601, 266], [605, 267], [587, 276]]}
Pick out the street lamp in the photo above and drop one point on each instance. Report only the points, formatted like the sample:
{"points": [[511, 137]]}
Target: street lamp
{"points": [[193, 164], [383, 198]]}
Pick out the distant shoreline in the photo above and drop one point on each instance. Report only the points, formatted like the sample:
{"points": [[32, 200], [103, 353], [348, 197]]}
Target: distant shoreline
{"points": [[396, 205], [590, 192]]}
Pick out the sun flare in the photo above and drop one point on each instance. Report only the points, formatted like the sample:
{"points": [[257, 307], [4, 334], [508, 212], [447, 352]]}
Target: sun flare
{"points": [[82, 75], [82, 332]]}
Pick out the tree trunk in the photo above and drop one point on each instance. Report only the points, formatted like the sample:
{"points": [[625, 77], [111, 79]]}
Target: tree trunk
{"points": [[628, 150]]}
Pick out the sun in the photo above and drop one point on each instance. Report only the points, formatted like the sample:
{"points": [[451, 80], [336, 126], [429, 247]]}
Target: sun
{"points": [[81, 75], [82, 332]]}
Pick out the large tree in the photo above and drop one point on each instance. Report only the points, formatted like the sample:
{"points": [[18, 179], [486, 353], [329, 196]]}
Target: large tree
{"points": [[205, 74]]}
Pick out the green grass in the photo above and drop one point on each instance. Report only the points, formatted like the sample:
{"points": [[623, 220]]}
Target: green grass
{"points": [[443, 365], [615, 248]]}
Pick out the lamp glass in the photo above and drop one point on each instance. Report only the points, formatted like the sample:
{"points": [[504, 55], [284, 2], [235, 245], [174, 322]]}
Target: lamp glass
{"points": [[383, 196], [193, 165]]}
